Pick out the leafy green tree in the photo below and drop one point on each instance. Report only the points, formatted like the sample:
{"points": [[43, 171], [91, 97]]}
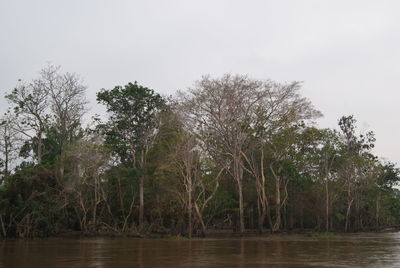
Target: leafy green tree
{"points": [[323, 158], [131, 127], [356, 158]]}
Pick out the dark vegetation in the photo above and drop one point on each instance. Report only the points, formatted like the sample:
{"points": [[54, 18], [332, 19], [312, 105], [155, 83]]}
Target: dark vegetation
{"points": [[232, 153]]}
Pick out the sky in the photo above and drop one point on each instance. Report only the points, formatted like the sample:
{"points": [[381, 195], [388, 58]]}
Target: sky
{"points": [[346, 53]]}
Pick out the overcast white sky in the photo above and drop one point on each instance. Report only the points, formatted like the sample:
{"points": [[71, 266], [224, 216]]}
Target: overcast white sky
{"points": [[346, 52]]}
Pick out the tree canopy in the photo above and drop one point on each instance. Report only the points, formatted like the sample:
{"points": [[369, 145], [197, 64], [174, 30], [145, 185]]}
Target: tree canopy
{"points": [[231, 152]]}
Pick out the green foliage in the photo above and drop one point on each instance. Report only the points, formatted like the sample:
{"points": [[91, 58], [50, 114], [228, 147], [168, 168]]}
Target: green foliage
{"points": [[31, 201], [324, 177], [389, 177], [340, 217], [132, 111]]}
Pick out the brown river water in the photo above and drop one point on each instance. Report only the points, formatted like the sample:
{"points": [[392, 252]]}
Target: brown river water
{"points": [[354, 250]]}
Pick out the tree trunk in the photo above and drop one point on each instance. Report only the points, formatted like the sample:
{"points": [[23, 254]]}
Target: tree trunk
{"points": [[261, 216], [3, 227], [264, 212], [318, 223], [96, 198], [347, 224], [277, 224], [327, 205], [291, 217], [40, 148], [141, 190], [241, 207], [190, 205], [302, 218], [203, 226], [350, 200], [141, 200], [285, 217], [251, 218], [238, 175], [377, 211], [263, 206], [63, 146], [6, 155]]}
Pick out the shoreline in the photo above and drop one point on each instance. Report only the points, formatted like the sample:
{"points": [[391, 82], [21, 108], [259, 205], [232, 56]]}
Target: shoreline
{"points": [[211, 234]]}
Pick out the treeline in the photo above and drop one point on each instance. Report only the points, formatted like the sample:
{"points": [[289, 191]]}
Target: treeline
{"points": [[230, 153]]}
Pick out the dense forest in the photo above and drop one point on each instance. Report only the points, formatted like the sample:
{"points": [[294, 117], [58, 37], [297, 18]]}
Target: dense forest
{"points": [[230, 153]]}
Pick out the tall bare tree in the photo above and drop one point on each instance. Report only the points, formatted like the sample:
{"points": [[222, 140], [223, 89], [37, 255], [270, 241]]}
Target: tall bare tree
{"points": [[9, 144], [54, 99], [30, 103], [67, 102], [227, 112], [220, 110]]}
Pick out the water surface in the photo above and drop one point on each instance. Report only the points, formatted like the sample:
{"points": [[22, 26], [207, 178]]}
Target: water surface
{"points": [[356, 250]]}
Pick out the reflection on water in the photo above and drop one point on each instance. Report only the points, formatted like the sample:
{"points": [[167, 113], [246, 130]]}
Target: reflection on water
{"points": [[359, 250]]}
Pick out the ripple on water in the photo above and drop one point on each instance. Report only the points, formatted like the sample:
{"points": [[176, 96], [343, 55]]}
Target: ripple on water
{"points": [[354, 250]]}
